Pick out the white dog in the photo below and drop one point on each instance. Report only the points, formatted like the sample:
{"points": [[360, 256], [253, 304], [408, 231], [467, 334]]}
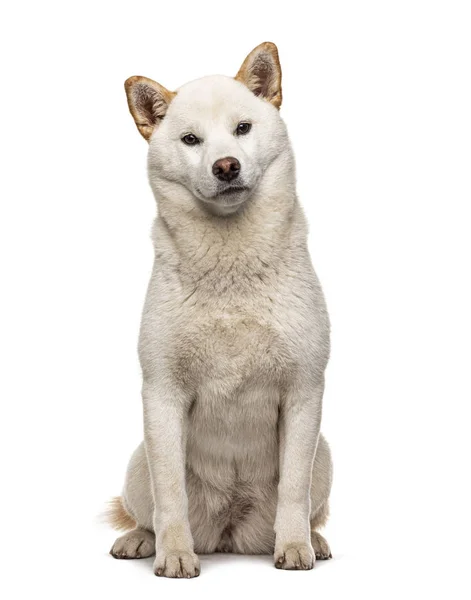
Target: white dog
{"points": [[235, 335]]}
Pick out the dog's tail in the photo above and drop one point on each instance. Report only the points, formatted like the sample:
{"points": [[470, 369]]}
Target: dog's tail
{"points": [[117, 516]]}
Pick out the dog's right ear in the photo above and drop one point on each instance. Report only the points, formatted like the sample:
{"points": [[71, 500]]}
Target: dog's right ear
{"points": [[261, 73], [148, 102]]}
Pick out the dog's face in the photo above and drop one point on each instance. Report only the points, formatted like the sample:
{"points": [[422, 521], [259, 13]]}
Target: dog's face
{"points": [[215, 136]]}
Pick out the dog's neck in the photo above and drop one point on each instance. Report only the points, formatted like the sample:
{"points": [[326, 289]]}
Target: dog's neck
{"points": [[217, 250]]}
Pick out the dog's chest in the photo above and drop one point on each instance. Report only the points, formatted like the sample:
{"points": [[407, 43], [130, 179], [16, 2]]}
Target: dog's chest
{"points": [[234, 362], [224, 349], [237, 431]]}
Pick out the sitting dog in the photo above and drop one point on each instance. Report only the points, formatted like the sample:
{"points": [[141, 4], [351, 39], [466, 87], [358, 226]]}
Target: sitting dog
{"points": [[234, 339]]}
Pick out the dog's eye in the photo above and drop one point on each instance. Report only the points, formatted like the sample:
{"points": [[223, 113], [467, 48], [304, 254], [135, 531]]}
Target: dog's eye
{"points": [[190, 140], [243, 128]]}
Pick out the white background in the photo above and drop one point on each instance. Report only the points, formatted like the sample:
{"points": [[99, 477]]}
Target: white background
{"points": [[377, 98]]}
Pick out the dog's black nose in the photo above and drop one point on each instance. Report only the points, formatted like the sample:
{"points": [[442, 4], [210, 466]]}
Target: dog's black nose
{"points": [[226, 169]]}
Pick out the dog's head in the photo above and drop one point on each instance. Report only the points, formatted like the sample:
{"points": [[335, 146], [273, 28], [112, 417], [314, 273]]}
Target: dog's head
{"points": [[217, 135]]}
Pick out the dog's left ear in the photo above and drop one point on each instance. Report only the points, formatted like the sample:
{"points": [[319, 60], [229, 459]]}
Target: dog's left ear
{"points": [[148, 102], [261, 73]]}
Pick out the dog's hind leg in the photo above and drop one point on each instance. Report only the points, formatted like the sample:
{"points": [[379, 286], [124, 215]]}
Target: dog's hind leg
{"points": [[320, 491], [134, 510], [320, 546], [319, 543], [138, 543]]}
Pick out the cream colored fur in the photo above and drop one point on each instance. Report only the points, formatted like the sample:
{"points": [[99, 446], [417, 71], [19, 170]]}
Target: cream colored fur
{"points": [[234, 339]]}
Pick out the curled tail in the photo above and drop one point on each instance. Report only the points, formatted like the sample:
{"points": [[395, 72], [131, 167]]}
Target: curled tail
{"points": [[117, 516]]}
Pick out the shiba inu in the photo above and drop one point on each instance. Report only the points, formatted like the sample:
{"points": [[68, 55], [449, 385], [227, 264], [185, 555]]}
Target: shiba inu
{"points": [[234, 339]]}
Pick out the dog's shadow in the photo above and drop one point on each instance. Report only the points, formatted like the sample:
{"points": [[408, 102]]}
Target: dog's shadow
{"points": [[213, 561]]}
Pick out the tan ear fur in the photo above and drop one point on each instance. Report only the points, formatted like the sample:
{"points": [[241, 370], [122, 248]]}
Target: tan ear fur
{"points": [[148, 102], [261, 73]]}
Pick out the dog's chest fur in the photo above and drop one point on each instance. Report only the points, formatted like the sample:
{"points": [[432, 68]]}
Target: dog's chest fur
{"points": [[235, 309]]}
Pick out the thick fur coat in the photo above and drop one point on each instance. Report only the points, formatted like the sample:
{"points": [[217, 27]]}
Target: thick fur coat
{"points": [[234, 338]]}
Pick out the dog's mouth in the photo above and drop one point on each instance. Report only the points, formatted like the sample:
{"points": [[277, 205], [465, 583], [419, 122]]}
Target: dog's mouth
{"points": [[231, 190], [226, 195], [225, 200]]}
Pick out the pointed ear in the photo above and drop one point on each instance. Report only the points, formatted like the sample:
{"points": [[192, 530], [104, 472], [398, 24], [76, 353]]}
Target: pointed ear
{"points": [[148, 102], [261, 73]]}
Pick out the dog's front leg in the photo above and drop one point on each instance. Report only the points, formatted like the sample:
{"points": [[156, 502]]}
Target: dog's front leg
{"points": [[300, 418], [165, 414]]}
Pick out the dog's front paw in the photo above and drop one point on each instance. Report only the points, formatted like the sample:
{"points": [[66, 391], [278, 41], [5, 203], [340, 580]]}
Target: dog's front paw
{"points": [[296, 556], [180, 564]]}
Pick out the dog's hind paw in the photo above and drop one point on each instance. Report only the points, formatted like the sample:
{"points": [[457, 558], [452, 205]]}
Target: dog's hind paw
{"points": [[138, 543], [321, 547]]}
